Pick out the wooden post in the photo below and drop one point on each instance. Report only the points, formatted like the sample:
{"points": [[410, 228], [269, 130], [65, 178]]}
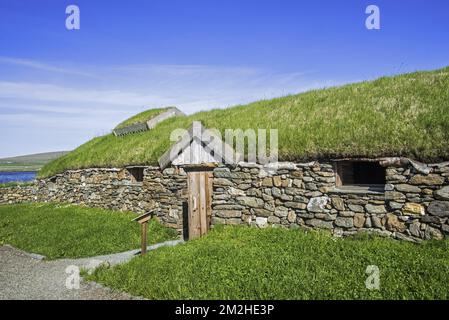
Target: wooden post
{"points": [[144, 238], [143, 221]]}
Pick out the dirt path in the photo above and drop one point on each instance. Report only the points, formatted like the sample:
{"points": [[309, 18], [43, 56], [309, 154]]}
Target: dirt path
{"points": [[25, 277]]}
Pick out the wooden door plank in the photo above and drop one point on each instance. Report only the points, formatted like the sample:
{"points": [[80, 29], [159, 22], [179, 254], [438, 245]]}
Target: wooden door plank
{"points": [[209, 190], [193, 205], [202, 208], [197, 209]]}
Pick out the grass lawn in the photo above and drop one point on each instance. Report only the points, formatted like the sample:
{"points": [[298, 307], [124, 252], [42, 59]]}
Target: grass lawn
{"points": [[274, 263], [30, 162], [67, 231], [15, 184], [142, 117], [405, 115]]}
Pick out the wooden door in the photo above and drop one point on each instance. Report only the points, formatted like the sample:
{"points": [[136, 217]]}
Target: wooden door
{"points": [[200, 199]]}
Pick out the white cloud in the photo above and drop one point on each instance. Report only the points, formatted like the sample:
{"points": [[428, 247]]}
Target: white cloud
{"points": [[113, 93], [42, 66]]}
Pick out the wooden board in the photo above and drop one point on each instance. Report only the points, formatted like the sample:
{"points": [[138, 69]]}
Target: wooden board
{"points": [[200, 199]]}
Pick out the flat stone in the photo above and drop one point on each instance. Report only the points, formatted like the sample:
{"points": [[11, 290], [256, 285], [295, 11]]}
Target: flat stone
{"points": [[240, 175], [445, 228], [317, 223], [262, 212], [261, 222], [395, 205], [228, 213], [297, 183], [375, 209], [267, 182], [234, 221], [368, 223], [286, 197], [236, 192], [311, 186], [430, 219], [377, 222], [346, 213], [318, 204], [413, 208], [276, 192], [394, 195], [277, 181], [222, 182], [415, 229], [429, 180], [439, 208], [442, 194], [295, 205], [403, 237], [228, 207], [392, 223], [396, 177], [252, 202], [338, 204], [344, 222], [407, 188], [244, 186], [216, 220], [222, 174], [291, 217], [359, 220], [281, 211], [273, 219], [355, 208], [294, 191], [254, 192], [433, 233], [300, 199]]}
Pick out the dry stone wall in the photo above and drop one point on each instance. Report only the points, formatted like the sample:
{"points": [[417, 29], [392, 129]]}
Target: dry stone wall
{"points": [[413, 206], [111, 189]]}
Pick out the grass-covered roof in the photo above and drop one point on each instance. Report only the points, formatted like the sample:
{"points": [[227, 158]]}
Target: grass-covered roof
{"points": [[141, 117], [405, 115]]}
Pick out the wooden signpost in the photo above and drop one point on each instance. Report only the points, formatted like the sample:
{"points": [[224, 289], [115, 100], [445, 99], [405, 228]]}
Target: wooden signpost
{"points": [[143, 221]]}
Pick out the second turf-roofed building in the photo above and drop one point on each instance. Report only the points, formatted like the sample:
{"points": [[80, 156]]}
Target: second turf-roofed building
{"points": [[367, 157]]}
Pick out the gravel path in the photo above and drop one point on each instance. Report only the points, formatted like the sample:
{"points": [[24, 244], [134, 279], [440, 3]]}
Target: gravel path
{"points": [[24, 276]]}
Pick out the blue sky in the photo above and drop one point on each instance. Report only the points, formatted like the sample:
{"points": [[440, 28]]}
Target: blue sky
{"points": [[59, 88]]}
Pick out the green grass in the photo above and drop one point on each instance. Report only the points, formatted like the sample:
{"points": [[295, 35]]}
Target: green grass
{"points": [[20, 167], [274, 263], [30, 162], [142, 117], [16, 184], [67, 231], [406, 115]]}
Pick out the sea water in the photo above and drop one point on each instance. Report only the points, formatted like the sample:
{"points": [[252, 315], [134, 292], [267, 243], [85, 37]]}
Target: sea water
{"points": [[17, 176]]}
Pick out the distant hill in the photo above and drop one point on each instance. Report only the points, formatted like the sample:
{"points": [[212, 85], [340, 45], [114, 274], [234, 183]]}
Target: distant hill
{"points": [[30, 162], [405, 115]]}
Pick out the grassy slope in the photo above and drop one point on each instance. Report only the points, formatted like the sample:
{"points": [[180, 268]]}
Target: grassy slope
{"points": [[249, 263], [65, 231], [141, 117], [406, 115], [31, 162], [15, 184]]}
